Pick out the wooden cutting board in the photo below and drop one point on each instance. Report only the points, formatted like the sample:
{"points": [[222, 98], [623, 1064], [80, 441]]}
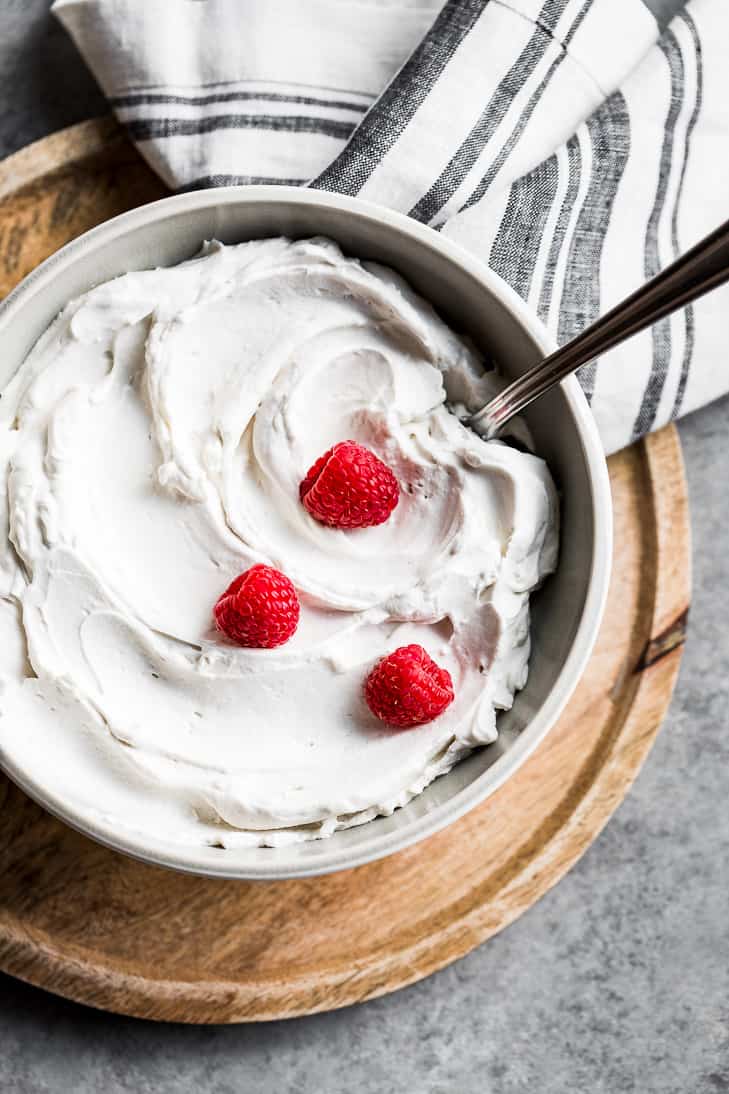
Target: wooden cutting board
{"points": [[92, 925]]}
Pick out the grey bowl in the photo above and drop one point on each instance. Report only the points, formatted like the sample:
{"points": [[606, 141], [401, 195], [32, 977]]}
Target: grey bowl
{"points": [[566, 612]]}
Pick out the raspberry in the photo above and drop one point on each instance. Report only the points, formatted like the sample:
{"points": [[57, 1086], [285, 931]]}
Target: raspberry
{"points": [[349, 487], [407, 688], [259, 609]]}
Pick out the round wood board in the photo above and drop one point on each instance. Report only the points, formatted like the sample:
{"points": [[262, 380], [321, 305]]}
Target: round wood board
{"points": [[97, 927]]}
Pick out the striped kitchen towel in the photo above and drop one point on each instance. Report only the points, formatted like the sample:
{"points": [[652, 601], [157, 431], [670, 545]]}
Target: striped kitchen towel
{"points": [[562, 141]]}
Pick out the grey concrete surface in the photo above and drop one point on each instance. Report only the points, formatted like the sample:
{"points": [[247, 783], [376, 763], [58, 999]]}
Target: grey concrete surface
{"points": [[616, 982]]}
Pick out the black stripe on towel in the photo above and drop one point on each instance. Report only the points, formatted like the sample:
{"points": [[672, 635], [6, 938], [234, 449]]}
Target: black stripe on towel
{"points": [[689, 310], [534, 100], [515, 249], [152, 98], [150, 129], [380, 129], [206, 182], [492, 115], [574, 172], [661, 331], [608, 130]]}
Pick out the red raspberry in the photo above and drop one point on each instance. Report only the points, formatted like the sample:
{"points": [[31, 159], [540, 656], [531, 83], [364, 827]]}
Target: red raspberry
{"points": [[260, 608], [407, 688], [349, 487]]}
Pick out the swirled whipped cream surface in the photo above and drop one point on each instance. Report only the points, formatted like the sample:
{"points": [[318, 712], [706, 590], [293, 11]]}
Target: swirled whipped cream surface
{"points": [[152, 445]]}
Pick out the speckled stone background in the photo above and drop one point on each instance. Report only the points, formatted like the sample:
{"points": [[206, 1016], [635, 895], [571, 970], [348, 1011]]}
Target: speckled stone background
{"points": [[617, 981]]}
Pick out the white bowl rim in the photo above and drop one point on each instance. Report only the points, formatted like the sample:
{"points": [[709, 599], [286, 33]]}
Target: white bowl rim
{"points": [[186, 859]]}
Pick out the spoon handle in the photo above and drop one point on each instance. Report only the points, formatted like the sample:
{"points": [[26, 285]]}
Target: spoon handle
{"points": [[704, 267]]}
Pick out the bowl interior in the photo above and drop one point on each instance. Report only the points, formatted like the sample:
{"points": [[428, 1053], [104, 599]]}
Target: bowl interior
{"points": [[473, 302]]}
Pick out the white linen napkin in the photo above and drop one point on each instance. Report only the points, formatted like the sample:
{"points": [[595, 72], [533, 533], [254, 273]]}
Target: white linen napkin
{"points": [[561, 141]]}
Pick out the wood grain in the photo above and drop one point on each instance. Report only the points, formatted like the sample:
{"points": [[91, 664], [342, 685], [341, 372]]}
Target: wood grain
{"points": [[89, 924]]}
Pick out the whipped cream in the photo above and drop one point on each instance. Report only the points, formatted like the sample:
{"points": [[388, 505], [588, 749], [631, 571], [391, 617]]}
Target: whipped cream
{"points": [[152, 445]]}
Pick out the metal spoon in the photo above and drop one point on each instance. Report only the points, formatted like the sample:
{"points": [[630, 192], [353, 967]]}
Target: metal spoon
{"points": [[704, 267]]}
